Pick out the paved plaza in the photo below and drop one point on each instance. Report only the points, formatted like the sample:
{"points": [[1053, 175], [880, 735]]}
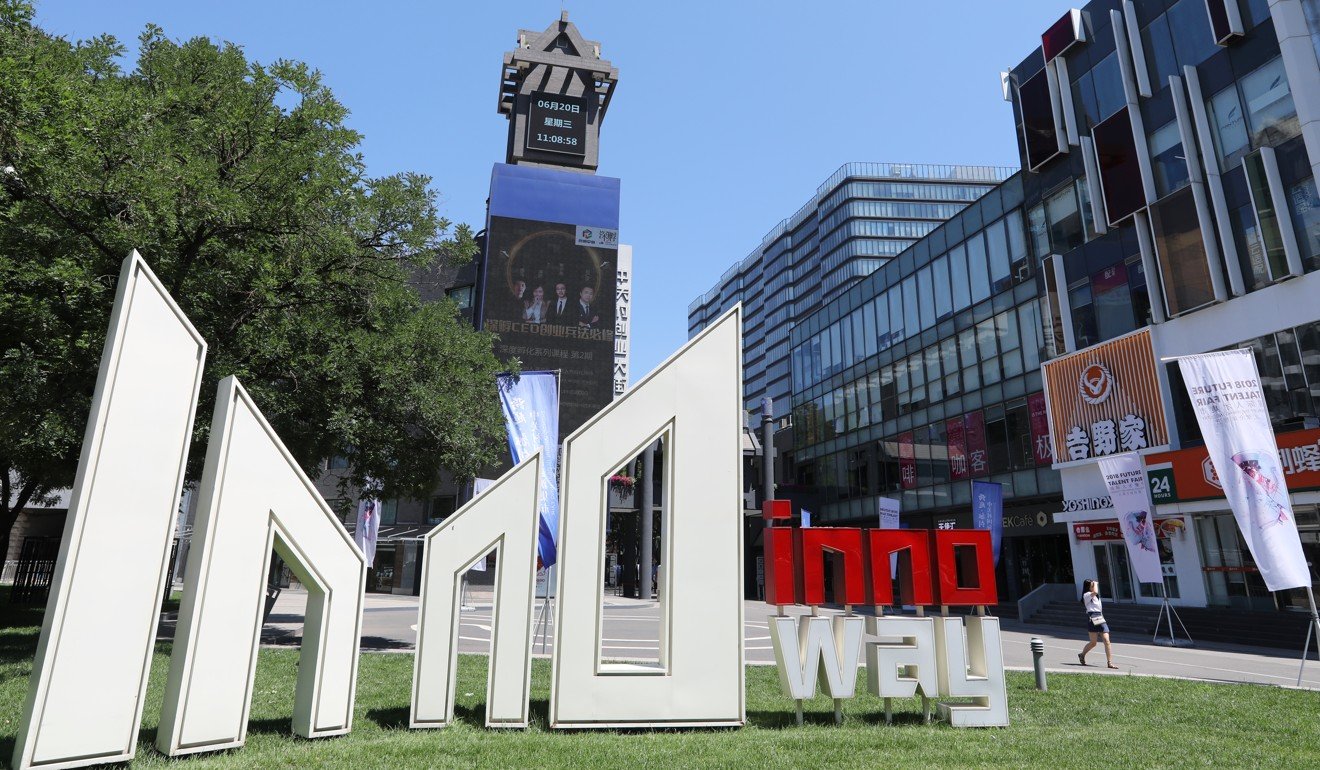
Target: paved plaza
{"points": [[632, 626]]}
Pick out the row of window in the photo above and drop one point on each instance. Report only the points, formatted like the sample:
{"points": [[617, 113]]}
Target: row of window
{"points": [[1289, 365], [996, 439], [988, 262], [1003, 346], [917, 191], [888, 210]]}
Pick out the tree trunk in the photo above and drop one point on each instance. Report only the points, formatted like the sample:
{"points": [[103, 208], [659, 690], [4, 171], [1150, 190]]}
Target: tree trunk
{"points": [[9, 514]]}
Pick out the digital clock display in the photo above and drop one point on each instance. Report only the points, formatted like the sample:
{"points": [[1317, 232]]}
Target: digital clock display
{"points": [[557, 123]]}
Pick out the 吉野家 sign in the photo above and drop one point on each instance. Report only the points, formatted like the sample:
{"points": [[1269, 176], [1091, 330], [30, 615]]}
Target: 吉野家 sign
{"points": [[1105, 400], [557, 123]]}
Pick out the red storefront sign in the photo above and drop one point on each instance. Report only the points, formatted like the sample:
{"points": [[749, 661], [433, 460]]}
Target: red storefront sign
{"points": [[907, 461], [956, 436], [1040, 429], [1194, 475], [1109, 530], [978, 455]]}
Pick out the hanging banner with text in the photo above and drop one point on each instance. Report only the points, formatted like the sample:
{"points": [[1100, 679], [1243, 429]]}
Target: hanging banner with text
{"points": [[1125, 478], [988, 512], [1230, 408]]}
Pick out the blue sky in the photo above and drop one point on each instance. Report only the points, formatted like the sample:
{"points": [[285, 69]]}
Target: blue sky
{"points": [[727, 115]]}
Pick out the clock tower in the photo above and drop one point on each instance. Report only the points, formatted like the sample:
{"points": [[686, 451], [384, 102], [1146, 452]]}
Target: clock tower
{"points": [[555, 90]]}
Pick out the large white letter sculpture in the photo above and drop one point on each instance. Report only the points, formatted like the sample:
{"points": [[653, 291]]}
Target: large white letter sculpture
{"points": [[694, 400], [255, 497], [975, 671], [85, 698], [90, 671], [813, 651], [504, 519]]}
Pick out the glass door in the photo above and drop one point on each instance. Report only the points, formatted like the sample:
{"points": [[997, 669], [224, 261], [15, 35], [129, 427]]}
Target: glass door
{"points": [[1113, 571]]}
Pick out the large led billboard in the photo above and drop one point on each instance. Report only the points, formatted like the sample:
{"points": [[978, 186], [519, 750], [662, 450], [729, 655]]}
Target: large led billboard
{"points": [[549, 280]]}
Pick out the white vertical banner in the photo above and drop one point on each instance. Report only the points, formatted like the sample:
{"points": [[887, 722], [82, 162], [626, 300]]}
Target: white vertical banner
{"points": [[1230, 408], [1125, 478], [889, 510], [622, 317], [368, 528]]}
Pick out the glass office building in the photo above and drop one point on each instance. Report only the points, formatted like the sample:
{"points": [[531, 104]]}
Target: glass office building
{"points": [[924, 376], [1168, 200], [862, 216]]}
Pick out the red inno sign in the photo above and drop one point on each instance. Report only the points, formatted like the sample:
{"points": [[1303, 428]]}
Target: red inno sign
{"points": [[947, 567]]}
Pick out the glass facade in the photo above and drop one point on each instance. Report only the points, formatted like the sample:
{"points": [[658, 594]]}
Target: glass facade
{"points": [[860, 218], [923, 375]]}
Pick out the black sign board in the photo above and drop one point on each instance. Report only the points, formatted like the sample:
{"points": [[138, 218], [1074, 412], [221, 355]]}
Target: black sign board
{"points": [[557, 123]]}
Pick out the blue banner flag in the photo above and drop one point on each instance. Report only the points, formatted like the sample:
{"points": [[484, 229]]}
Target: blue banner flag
{"points": [[988, 512], [531, 414], [806, 518]]}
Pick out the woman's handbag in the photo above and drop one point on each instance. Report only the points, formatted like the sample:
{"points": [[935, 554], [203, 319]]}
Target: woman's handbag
{"points": [[1097, 620]]}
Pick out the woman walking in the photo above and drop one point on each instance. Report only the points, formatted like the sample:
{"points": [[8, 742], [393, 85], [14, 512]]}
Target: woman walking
{"points": [[1095, 623]]}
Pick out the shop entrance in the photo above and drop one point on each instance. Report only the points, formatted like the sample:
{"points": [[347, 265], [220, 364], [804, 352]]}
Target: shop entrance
{"points": [[1113, 571]]}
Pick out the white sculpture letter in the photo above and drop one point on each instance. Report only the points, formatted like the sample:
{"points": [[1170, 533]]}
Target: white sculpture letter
{"points": [[814, 651], [974, 670], [914, 653], [504, 519], [695, 400], [254, 497], [89, 675]]}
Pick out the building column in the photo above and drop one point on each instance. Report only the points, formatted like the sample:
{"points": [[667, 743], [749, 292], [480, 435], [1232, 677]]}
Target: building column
{"points": [[1299, 62]]}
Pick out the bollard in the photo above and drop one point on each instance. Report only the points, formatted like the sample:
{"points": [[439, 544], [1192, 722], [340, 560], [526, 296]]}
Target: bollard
{"points": [[1038, 661]]}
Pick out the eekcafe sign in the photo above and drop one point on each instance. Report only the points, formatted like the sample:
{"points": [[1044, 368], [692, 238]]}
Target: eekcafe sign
{"points": [[87, 691]]}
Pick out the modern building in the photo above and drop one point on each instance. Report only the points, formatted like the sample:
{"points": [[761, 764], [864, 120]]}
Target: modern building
{"points": [[862, 216], [1172, 149], [1168, 206], [926, 375]]}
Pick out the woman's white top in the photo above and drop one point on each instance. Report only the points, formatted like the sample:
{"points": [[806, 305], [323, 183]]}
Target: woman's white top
{"points": [[1091, 602], [535, 312]]}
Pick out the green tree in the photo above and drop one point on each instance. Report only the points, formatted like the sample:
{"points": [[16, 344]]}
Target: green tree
{"points": [[244, 190]]}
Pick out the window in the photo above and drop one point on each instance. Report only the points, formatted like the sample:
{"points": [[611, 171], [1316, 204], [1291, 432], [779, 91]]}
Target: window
{"points": [[1083, 316], [1263, 203], [336, 463], [911, 313], [1230, 129], [1065, 221], [1251, 252], [962, 290], [943, 292], [926, 297], [1020, 262], [389, 511], [997, 247], [977, 269], [1167, 159], [1160, 59], [1040, 231], [1189, 24], [1304, 204], [1108, 81], [896, 330], [1088, 216], [1181, 253], [442, 506], [1113, 302], [1140, 293], [971, 375], [461, 295], [1270, 112]]}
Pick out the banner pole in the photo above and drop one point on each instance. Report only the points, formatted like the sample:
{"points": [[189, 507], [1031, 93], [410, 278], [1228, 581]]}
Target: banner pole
{"points": [[1312, 628]]}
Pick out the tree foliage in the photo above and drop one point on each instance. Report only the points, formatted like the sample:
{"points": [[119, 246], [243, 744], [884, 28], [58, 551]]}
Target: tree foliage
{"points": [[244, 190]]}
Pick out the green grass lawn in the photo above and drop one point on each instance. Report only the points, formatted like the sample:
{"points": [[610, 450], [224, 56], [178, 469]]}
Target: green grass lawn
{"points": [[1083, 721]]}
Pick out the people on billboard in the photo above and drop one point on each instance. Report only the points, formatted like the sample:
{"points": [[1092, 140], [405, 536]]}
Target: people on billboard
{"points": [[535, 310], [1269, 506], [518, 296], [588, 317], [1095, 624], [561, 308]]}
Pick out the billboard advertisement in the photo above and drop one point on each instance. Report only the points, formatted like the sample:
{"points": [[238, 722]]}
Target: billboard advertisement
{"points": [[550, 298]]}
